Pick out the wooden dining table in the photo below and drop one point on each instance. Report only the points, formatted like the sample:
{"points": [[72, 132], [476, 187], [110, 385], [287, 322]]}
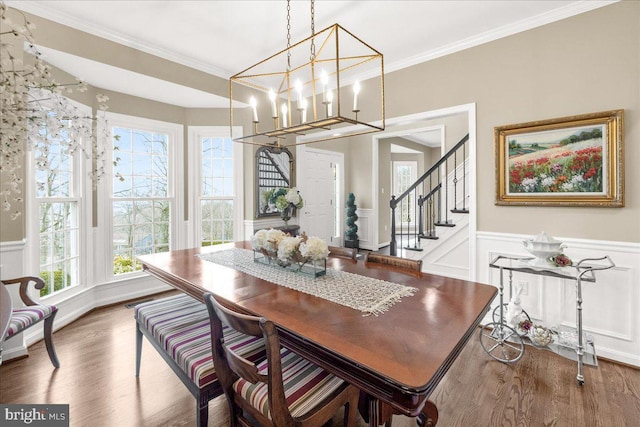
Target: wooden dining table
{"points": [[397, 358]]}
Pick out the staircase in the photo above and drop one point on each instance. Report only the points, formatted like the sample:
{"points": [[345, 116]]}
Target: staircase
{"points": [[433, 212]]}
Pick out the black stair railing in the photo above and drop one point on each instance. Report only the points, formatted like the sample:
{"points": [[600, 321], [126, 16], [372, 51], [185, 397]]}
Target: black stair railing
{"points": [[428, 194]]}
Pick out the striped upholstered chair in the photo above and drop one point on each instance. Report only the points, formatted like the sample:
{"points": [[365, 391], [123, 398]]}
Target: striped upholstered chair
{"points": [[283, 390], [22, 318], [178, 327]]}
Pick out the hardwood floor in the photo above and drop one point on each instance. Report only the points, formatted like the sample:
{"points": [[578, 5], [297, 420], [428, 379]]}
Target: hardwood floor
{"points": [[97, 356]]}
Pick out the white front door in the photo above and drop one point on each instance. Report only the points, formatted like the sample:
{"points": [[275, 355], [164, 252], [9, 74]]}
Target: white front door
{"points": [[320, 183]]}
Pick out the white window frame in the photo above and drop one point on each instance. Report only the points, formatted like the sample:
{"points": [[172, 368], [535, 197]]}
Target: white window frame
{"points": [[80, 187], [104, 251], [196, 134]]}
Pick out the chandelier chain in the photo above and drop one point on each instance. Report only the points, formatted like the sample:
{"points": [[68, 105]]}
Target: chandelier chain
{"points": [[313, 31], [288, 34]]}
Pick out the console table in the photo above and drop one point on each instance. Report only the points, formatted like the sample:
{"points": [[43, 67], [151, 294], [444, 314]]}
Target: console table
{"points": [[505, 344], [292, 229]]}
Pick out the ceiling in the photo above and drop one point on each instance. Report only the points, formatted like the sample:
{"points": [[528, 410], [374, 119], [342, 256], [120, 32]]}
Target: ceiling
{"points": [[224, 37]]}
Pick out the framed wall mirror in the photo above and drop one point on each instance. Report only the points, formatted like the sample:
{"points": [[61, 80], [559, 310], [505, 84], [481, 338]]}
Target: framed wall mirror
{"points": [[274, 169]]}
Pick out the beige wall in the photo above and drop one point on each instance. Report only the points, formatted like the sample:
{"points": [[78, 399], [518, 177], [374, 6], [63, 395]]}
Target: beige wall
{"points": [[586, 63], [582, 64]]}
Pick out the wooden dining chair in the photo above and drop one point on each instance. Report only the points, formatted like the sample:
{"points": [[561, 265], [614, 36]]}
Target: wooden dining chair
{"points": [[342, 252], [283, 390], [22, 318], [404, 263]]}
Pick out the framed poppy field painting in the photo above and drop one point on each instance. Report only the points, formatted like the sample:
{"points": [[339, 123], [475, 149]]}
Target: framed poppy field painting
{"points": [[569, 161]]}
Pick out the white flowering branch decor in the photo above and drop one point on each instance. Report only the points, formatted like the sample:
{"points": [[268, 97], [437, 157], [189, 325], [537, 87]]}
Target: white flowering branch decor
{"points": [[300, 253], [37, 115]]}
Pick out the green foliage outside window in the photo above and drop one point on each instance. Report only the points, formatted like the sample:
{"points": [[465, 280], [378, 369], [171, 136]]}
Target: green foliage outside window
{"points": [[58, 281], [123, 264], [205, 243]]}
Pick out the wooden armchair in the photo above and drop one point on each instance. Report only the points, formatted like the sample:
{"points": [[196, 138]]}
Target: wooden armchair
{"points": [[22, 318], [342, 252], [404, 263], [285, 389]]}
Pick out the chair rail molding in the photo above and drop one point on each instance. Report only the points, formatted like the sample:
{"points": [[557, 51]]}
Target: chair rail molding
{"points": [[609, 305]]}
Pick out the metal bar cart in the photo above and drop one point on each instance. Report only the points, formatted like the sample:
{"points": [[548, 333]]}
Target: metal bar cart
{"points": [[506, 344]]}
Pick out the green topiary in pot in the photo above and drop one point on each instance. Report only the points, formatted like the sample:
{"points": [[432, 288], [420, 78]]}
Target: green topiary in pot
{"points": [[351, 233]]}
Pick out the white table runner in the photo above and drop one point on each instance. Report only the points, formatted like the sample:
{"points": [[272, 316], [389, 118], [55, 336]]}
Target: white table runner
{"points": [[366, 294]]}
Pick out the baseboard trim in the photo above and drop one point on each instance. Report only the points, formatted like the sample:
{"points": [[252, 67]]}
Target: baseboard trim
{"points": [[87, 300]]}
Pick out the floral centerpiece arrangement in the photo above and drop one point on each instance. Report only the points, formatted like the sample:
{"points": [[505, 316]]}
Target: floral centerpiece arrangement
{"points": [[300, 253], [287, 200]]}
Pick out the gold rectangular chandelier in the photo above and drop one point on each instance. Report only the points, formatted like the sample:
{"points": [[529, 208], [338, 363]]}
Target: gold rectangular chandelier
{"points": [[328, 86]]}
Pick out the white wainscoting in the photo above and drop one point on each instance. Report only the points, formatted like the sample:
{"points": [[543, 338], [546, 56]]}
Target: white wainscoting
{"points": [[12, 255], [366, 233], [72, 303], [610, 305]]}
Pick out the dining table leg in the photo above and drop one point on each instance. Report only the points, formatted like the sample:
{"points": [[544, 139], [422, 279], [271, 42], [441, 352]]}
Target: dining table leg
{"points": [[381, 413], [429, 415]]}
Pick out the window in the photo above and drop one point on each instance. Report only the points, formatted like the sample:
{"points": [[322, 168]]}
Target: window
{"points": [[55, 211], [142, 200], [216, 197], [218, 184], [404, 175]]}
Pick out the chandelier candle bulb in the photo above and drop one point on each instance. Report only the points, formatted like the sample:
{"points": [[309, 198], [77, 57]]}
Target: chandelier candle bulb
{"points": [[356, 91], [284, 115], [274, 106], [254, 106], [329, 103]]}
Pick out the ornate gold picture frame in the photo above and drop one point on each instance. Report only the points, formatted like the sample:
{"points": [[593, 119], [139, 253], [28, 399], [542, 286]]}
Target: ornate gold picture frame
{"points": [[569, 161]]}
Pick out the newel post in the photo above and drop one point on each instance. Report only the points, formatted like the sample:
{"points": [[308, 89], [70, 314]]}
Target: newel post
{"points": [[392, 204]]}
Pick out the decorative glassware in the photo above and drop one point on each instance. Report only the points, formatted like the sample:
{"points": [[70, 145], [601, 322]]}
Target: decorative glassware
{"points": [[540, 335], [296, 263]]}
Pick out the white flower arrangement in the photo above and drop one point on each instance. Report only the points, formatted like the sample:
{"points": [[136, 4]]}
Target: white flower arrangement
{"points": [[284, 197], [301, 253], [274, 237], [288, 247], [293, 196], [314, 248], [259, 239]]}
